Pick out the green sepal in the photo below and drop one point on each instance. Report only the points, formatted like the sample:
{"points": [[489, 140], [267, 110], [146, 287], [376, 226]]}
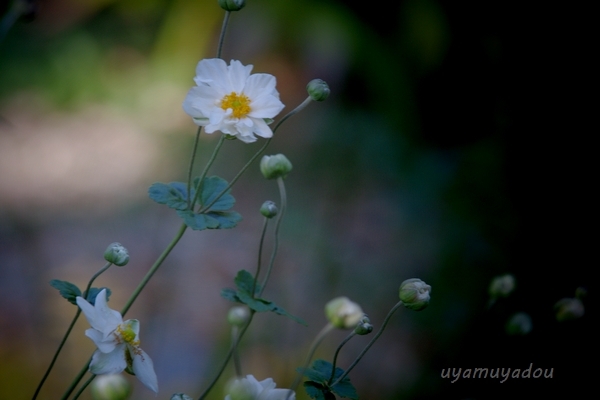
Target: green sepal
{"points": [[67, 290], [173, 194], [244, 282], [319, 373]]}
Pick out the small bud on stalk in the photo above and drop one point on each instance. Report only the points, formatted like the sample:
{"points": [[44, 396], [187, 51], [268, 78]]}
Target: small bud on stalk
{"points": [[343, 313], [117, 254], [364, 326], [273, 167], [414, 294], [110, 387], [238, 316], [268, 209], [232, 5], [318, 89]]}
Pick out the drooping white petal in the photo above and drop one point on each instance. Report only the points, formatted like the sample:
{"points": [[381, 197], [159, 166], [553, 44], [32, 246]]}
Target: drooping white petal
{"points": [[261, 128], [105, 343], [143, 367], [109, 363], [100, 316]]}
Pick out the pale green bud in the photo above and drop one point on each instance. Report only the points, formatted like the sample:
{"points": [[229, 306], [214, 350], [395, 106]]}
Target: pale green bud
{"points": [[273, 167], [268, 209], [232, 5], [117, 254], [364, 326], [110, 387], [238, 316], [318, 89], [181, 396], [502, 286], [414, 294], [343, 313], [567, 309], [519, 324]]}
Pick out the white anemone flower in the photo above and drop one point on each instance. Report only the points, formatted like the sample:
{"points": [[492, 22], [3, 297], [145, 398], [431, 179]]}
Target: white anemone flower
{"points": [[230, 100], [249, 388], [117, 341]]}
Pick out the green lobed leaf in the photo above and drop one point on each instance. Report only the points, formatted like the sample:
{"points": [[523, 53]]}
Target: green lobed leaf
{"points": [[198, 222], [280, 311], [226, 219], [211, 187], [345, 389], [317, 391], [319, 374], [230, 294], [173, 194], [244, 281], [67, 290]]}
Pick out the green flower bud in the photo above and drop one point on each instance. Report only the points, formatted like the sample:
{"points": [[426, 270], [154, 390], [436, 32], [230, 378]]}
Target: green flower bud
{"points": [[232, 5], [343, 313], [181, 396], [117, 254], [502, 286], [519, 324], [567, 309], [414, 294], [318, 89], [268, 209], [110, 387], [273, 167], [364, 326], [238, 316]]}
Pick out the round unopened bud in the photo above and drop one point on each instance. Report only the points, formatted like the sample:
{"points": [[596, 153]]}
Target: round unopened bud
{"points": [[343, 313], [364, 326], [268, 209], [502, 286], [232, 5], [238, 315], [567, 309], [117, 254], [181, 396], [273, 167], [318, 89], [519, 324], [414, 294], [110, 387]]}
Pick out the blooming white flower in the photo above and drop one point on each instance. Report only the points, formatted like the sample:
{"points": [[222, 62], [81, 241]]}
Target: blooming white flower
{"points": [[230, 100], [117, 341], [249, 388]]}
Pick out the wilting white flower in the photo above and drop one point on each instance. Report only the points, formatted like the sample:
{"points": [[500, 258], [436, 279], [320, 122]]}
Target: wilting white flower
{"points": [[230, 100], [249, 388], [117, 341]]}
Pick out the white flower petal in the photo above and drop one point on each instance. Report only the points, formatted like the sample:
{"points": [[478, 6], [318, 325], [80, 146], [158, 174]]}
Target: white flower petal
{"points": [[143, 367], [238, 74], [108, 363], [259, 84], [213, 71], [100, 316], [105, 343], [261, 128], [276, 394]]}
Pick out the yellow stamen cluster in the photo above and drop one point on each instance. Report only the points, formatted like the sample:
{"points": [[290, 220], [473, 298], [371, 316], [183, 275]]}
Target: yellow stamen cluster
{"points": [[239, 103], [127, 334]]}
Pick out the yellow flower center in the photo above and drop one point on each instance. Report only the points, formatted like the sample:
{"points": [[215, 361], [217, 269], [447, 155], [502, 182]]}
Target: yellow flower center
{"points": [[127, 335], [239, 103]]}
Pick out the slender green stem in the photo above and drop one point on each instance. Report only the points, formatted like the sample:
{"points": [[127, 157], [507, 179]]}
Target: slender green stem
{"points": [[296, 110], [260, 247], [205, 171], [283, 200], [154, 268], [227, 358], [191, 167], [222, 36], [76, 380], [82, 388], [313, 347], [385, 322], [236, 354], [69, 329], [337, 351]]}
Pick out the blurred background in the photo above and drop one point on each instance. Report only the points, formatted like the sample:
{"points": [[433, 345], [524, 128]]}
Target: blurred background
{"points": [[452, 149]]}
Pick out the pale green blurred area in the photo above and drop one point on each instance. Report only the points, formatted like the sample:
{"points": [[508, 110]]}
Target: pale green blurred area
{"points": [[90, 108]]}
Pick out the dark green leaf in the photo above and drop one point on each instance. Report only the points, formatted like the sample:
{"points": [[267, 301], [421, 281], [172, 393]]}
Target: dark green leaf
{"points": [[211, 188], [244, 281], [280, 311], [226, 219], [230, 295], [67, 290], [198, 222], [316, 391], [345, 389], [173, 194], [91, 296]]}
